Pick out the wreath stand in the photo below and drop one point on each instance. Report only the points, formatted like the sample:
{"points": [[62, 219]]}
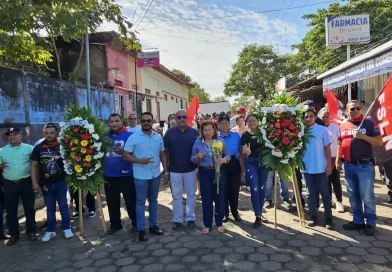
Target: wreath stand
{"points": [[298, 200], [99, 202]]}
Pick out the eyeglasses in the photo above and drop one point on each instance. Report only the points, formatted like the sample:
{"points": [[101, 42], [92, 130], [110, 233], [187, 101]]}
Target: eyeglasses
{"points": [[356, 108], [182, 117], [148, 121], [132, 118]]}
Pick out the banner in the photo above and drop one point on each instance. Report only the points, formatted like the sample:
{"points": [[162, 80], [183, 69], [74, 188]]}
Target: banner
{"points": [[335, 108], [193, 110], [148, 59], [380, 112]]}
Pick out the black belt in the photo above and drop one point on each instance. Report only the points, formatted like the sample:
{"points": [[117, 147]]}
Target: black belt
{"points": [[371, 160], [18, 180]]}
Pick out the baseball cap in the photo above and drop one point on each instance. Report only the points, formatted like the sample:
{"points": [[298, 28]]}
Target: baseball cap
{"points": [[12, 129], [241, 109], [309, 103], [223, 116]]}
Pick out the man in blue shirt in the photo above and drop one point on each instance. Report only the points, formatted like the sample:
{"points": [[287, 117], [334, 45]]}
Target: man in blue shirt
{"points": [[232, 169], [317, 160], [145, 150], [118, 176], [178, 142]]}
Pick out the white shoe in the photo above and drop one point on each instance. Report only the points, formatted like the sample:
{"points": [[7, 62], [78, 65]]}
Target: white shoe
{"points": [[68, 234], [339, 207], [48, 236]]}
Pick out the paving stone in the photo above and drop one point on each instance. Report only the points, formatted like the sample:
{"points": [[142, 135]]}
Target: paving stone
{"points": [[234, 257], [125, 261], [210, 258], [373, 267], [346, 267], [311, 250], [168, 259], [131, 268], [93, 269], [110, 268], [276, 243], [333, 250], [223, 250], [280, 258], [175, 267], [270, 266], [194, 244], [245, 266], [153, 268], [379, 251], [189, 259], [295, 266], [257, 257], [339, 243], [141, 254], [354, 259], [154, 246], [356, 251], [167, 239], [83, 263], [364, 244], [376, 259], [136, 247], [244, 249], [180, 251], [147, 260], [174, 245], [382, 244], [296, 243], [318, 243], [266, 250], [103, 262], [100, 255]]}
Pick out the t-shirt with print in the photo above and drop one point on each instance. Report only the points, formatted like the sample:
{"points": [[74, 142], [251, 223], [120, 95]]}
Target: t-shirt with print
{"points": [[255, 146], [51, 166]]}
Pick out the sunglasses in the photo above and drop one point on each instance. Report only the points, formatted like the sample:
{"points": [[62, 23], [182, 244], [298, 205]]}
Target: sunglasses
{"points": [[182, 117], [148, 121], [356, 108]]}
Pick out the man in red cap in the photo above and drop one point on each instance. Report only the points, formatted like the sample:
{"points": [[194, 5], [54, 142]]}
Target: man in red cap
{"points": [[241, 111]]}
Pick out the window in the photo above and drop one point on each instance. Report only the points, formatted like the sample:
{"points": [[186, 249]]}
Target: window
{"points": [[186, 105], [147, 91], [181, 103], [165, 97], [176, 100], [172, 98], [157, 93], [148, 105]]}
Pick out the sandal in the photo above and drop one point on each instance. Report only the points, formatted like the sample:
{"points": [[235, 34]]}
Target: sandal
{"points": [[221, 229], [206, 230]]}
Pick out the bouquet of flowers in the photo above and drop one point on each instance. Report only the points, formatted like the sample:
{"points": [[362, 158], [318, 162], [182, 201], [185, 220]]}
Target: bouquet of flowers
{"points": [[82, 147], [283, 134], [217, 148]]}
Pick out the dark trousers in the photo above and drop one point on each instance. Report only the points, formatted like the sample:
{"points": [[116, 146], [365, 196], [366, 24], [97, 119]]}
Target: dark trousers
{"points": [[298, 175], [90, 200], [115, 186], [316, 185], [209, 195], [233, 180], [1, 210], [334, 180], [12, 191]]}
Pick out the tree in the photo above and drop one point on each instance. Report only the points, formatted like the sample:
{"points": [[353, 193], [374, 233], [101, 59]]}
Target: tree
{"points": [[195, 88], [243, 101], [256, 71], [29, 28], [312, 52], [221, 98]]}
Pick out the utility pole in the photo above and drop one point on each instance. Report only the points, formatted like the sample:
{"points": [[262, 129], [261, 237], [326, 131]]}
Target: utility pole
{"points": [[88, 70]]}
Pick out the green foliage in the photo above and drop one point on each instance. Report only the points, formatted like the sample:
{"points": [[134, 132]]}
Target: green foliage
{"points": [[312, 51], [285, 132], [29, 28], [94, 183], [255, 72], [221, 98], [195, 88]]}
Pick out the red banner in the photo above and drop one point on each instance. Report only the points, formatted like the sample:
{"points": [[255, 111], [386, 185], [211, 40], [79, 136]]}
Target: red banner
{"points": [[335, 108], [193, 110], [381, 114]]}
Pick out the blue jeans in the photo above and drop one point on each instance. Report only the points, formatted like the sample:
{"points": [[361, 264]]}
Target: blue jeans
{"points": [[360, 188], [52, 193], [147, 189], [209, 195], [257, 178], [317, 184], [284, 187]]}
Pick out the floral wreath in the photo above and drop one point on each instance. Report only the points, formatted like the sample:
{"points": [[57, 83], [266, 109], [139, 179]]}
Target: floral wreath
{"points": [[82, 147], [283, 134]]}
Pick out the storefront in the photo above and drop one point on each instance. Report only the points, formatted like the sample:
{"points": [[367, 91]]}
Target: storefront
{"points": [[365, 75]]}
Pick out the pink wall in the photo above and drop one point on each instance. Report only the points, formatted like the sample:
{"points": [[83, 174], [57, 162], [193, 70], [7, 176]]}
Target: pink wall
{"points": [[117, 60]]}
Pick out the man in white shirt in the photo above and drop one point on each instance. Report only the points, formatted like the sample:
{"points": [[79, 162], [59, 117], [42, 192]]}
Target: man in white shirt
{"points": [[334, 178], [241, 111], [133, 127]]}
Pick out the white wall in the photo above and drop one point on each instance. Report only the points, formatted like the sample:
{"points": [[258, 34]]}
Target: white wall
{"points": [[158, 82]]}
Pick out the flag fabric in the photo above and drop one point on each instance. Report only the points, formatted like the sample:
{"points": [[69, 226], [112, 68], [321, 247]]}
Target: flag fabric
{"points": [[335, 108], [193, 110]]}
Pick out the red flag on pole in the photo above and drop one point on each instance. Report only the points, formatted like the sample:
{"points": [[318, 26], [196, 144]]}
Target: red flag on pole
{"points": [[335, 108], [193, 110]]}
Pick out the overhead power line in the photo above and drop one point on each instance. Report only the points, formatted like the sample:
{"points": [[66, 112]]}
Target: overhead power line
{"points": [[145, 14], [156, 15], [138, 2]]}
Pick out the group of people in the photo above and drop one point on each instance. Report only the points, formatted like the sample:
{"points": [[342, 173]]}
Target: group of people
{"points": [[133, 168]]}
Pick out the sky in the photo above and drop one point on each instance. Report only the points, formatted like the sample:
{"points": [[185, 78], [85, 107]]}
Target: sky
{"points": [[192, 35]]}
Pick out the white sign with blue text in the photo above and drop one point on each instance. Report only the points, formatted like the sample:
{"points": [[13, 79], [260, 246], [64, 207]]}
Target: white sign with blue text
{"points": [[347, 30]]}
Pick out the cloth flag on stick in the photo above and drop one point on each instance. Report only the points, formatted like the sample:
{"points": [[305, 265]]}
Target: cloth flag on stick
{"points": [[193, 110], [335, 108]]}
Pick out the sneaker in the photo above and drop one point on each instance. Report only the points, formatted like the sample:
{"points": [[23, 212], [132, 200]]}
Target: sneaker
{"points": [[329, 224], [370, 230], [76, 215], [353, 226], [257, 224], [339, 207], [225, 219], [114, 229], [43, 227], [176, 226], [68, 233], [287, 203], [91, 214], [269, 205], [48, 236], [314, 221]]}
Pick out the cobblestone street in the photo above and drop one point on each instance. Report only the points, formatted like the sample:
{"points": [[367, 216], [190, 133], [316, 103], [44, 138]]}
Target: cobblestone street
{"points": [[241, 248]]}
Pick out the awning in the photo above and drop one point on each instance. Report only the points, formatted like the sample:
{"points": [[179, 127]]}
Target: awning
{"points": [[370, 64]]}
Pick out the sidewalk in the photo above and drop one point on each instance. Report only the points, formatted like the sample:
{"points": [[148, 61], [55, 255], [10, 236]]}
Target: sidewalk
{"points": [[241, 248]]}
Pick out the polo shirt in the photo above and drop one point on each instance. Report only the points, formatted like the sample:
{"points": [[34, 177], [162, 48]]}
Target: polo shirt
{"points": [[179, 147], [208, 158], [141, 146], [233, 143], [17, 160], [315, 158], [134, 129]]}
